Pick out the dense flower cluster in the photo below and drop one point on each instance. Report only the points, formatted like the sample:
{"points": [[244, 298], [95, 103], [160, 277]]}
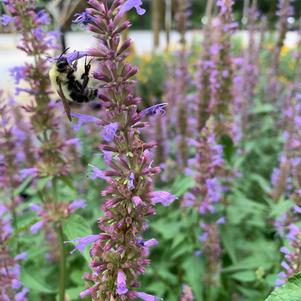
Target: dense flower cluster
{"points": [[54, 212], [12, 154], [292, 263], [285, 178], [10, 285], [246, 80], [208, 192], [221, 67], [119, 254], [36, 42]]}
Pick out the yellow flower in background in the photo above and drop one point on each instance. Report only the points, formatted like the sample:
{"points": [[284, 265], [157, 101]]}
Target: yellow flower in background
{"points": [[284, 51], [283, 79]]}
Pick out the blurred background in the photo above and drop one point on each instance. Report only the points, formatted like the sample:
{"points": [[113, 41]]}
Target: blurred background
{"points": [[156, 30]]}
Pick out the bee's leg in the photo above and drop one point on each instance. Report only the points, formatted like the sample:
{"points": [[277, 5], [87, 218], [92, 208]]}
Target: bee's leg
{"points": [[64, 100], [74, 65], [85, 75]]}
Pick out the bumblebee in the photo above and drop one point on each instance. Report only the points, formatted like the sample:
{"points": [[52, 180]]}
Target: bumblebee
{"points": [[64, 79]]}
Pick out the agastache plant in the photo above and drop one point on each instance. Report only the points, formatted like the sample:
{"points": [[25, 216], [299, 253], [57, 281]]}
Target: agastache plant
{"points": [[291, 264], [10, 159], [246, 81], [221, 77], [11, 287], [205, 197], [51, 161], [182, 80], [203, 79], [284, 11], [120, 254]]}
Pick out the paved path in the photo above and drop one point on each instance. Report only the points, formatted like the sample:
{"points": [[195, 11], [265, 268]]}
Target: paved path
{"points": [[10, 56]]}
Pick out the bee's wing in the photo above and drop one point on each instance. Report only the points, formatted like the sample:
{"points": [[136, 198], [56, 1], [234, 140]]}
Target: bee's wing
{"points": [[64, 100]]}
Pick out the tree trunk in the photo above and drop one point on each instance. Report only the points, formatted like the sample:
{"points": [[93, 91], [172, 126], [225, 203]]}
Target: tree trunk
{"points": [[168, 21], [156, 23]]}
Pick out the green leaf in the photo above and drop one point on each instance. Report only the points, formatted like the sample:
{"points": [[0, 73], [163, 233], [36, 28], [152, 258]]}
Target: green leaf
{"points": [[244, 276], [42, 182], [228, 147], [34, 281], [263, 108], [67, 181], [181, 185], [229, 239], [282, 206], [291, 291], [194, 269], [73, 292], [23, 186], [168, 230]]}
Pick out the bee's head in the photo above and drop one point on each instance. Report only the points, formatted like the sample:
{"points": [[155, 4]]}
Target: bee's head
{"points": [[62, 64]]}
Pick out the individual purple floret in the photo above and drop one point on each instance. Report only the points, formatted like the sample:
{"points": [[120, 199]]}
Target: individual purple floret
{"points": [[129, 4]]}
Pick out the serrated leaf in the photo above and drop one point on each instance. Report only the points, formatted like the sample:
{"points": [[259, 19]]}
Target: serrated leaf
{"points": [[291, 291]]}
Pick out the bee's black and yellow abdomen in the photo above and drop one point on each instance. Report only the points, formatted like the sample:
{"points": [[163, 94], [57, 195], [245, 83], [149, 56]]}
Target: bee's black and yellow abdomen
{"points": [[74, 89]]}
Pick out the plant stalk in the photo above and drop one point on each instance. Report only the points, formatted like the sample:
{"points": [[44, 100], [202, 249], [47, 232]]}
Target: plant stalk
{"points": [[62, 278]]}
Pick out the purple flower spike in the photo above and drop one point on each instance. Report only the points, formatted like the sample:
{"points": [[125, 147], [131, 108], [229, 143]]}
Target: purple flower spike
{"points": [[129, 4], [109, 131], [146, 297], [35, 228], [82, 242], [162, 197], [121, 283]]}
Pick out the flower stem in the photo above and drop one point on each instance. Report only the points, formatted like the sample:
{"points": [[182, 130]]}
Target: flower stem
{"points": [[62, 279]]}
